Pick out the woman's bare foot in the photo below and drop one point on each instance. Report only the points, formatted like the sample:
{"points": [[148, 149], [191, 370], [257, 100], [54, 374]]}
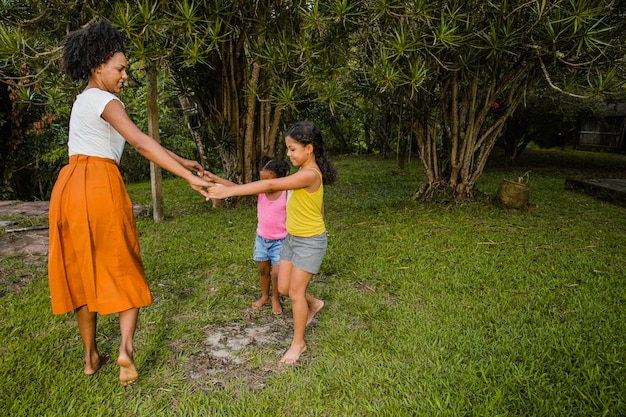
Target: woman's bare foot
{"points": [[260, 302], [293, 354], [313, 309], [128, 372], [276, 307], [93, 363]]}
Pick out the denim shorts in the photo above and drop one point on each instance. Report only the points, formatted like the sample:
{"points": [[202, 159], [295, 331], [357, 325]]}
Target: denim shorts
{"points": [[267, 249], [305, 253]]}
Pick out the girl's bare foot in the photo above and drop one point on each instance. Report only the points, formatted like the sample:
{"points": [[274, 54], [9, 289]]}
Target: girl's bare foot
{"points": [[93, 363], [313, 309], [293, 354], [128, 372], [258, 303], [276, 307]]}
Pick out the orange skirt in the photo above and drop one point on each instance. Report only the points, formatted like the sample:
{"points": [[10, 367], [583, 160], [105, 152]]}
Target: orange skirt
{"points": [[94, 257]]}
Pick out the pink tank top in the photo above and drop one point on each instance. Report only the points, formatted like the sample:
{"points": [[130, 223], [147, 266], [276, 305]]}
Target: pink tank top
{"points": [[272, 216]]}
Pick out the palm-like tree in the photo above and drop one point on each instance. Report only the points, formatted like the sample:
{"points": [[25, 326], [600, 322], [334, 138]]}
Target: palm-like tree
{"points": [[464, 68]]}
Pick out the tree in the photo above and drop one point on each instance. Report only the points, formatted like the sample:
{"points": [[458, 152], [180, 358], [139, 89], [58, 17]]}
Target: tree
{"points": [[255, 64], [143, 26], [454, 71], [465, 66], [219, 74], [32, 99], [239, 64], [30, 44]]}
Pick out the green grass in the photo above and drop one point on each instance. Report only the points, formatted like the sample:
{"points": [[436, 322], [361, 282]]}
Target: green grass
{"points": [[431, 310]]}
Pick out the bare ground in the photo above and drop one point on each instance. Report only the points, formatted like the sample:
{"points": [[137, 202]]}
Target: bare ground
{"points": [[247, 351], [31, 241]]}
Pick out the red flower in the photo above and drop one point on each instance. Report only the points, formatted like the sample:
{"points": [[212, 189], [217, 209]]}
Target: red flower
{"points": [[495, 105]]}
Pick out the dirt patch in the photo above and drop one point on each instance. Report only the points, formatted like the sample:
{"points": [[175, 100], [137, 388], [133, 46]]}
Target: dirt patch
{"points": [[28, 240], [244, 351], [26, 208], [32, 242]]}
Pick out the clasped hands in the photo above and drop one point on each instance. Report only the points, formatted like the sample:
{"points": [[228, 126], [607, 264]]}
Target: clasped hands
{"points": [[205, 182], [217, 189]]}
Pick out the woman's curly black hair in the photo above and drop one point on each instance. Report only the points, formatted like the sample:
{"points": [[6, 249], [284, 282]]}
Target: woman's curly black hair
{"points": [[89, 47]]}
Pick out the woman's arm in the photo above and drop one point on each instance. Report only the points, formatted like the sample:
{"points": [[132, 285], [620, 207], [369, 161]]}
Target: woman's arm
{"points": [[115, 114], [190, 164]]}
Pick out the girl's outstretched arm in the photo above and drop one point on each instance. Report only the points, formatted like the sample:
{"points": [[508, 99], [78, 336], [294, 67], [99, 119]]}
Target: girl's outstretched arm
{"points": [[209, 176], [301, 179]]}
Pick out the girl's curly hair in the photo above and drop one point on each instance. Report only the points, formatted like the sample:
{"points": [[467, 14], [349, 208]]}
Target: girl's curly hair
{"points": [[89, 47]]}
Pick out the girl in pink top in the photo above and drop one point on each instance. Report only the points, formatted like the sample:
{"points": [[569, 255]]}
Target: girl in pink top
{"points": [[271, 230]]}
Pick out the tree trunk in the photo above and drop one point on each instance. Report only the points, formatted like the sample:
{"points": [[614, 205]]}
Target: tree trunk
{"points": [[234, 98], [471, 119], [248, 162], [229, 113], [156, 177], [273, 123]]}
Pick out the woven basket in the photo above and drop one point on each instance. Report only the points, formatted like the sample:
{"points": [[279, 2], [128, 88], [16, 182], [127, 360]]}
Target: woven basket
{"points": [[513, 194]]}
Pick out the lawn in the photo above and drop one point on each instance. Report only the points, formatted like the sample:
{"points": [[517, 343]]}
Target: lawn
{"points": [[431, 309]]}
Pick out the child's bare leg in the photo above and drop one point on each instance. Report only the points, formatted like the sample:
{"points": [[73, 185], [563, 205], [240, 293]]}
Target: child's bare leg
{"points": [[264, 280], [128, 324], [87, 322], [284, 277], [298, 346], [276, 307], [297, 293], [314, 305]]}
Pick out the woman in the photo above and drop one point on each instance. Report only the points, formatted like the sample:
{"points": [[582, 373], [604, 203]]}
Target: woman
{"points": [[94, 264]]}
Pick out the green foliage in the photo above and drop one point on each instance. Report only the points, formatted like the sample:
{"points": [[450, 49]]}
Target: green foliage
{"points": [[377, 75], [448, 66], [34, 106]]}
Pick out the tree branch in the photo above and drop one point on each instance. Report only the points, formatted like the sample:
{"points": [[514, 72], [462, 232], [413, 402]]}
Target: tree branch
{"points": [[549, 80]]}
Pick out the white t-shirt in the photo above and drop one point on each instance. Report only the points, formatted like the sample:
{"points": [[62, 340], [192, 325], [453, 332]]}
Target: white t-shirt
{"points": [[89, 133]]}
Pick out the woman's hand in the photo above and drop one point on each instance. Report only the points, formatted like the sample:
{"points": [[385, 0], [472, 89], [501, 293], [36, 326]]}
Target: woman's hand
{"points": [[193, 166], [200, 185]]}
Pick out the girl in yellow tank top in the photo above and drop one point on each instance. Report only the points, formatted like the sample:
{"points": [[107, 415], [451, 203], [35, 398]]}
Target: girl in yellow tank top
{"points": [[305, 211]]}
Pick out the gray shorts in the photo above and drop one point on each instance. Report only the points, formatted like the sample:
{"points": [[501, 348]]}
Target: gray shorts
{"points": [[305, 253]]}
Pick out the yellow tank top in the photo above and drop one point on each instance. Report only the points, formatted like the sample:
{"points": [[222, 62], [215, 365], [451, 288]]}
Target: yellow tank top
{"points": [[304, 212]]}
